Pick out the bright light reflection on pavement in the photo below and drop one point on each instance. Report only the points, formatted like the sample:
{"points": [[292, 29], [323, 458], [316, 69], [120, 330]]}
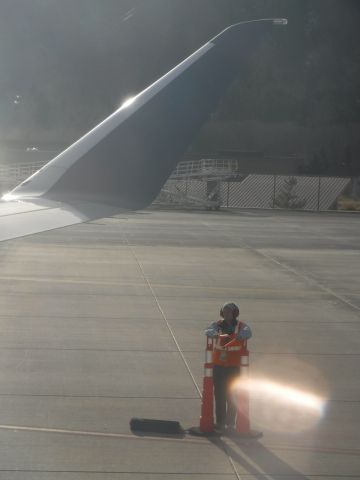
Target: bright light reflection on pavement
{"points": [[278, 407]]}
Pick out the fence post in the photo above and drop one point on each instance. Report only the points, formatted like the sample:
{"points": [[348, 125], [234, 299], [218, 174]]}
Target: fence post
{"points": [[319, 193], [274, 192]]}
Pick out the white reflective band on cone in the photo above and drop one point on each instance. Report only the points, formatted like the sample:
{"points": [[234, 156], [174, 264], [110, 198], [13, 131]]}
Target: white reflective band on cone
{"points": [[208, 356], [208, 372]]}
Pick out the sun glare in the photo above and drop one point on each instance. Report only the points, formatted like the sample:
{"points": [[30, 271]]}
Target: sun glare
{"points": [[279, 407], [8, 197], [129, 101]]}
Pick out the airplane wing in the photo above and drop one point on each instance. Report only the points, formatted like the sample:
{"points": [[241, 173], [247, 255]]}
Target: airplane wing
{"points": [[123, 162], [19, 218]]}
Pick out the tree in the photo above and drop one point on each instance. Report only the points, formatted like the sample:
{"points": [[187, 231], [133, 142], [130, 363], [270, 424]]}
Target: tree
{"points": [[287, 198]]}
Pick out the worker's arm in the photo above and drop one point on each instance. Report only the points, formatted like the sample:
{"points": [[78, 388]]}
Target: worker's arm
{"points": [[213, 330], [245, 332]]}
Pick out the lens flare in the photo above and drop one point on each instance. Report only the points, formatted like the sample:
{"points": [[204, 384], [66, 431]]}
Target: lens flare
{"points": [[283, 393], [128, 102], [280, 407], [8, 197]]}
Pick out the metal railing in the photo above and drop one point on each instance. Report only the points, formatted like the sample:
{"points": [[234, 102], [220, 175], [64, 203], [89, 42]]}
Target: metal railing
{"points": [[10, 176], [204, 168], [218, 183]]}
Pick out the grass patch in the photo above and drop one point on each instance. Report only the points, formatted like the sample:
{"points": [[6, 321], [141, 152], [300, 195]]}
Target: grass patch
{"points": [[346, 203]]}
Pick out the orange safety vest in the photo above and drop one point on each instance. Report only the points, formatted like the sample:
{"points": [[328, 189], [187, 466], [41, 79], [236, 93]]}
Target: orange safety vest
{"points": [[231, 356]]}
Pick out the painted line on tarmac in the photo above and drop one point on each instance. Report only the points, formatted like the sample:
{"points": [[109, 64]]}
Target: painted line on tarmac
{"points": [[188, 440], [306, 277], [134, 397], [304, 448], [235, 290], [322, 287], [164, 285], [184, 439], [139, 349], [127, 397], [135, 474], [142, 284], [20, 428], [165, 319], [7, 315], [233, 466]]}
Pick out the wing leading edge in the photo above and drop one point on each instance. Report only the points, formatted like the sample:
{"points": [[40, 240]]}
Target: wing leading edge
{"points": [[124, 161]]}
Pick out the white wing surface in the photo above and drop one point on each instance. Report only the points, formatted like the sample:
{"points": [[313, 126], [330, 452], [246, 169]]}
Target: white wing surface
{"points": [[19, 218]]}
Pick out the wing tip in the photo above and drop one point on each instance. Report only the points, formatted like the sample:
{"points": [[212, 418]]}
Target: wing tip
{"points": [[260, 21]]}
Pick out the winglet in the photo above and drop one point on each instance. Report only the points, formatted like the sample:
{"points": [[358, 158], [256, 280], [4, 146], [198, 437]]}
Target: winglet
{"points": [[125, 160]]}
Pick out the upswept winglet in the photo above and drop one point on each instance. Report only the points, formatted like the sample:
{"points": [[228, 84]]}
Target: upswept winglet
{"points": [[124, 161]]}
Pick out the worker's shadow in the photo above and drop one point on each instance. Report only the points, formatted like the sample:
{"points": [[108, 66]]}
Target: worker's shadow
{"points": [[256, 459]]}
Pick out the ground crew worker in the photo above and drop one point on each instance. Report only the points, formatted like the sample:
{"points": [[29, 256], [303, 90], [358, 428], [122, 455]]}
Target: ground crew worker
{"points": [[226, 361]]}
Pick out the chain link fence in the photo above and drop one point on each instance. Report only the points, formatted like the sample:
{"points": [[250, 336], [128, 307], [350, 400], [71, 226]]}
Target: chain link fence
{"points": [[261, 191], [213, 191]]}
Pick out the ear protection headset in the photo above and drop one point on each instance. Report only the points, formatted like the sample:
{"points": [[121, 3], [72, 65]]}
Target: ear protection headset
{"points": [[233, 307]]}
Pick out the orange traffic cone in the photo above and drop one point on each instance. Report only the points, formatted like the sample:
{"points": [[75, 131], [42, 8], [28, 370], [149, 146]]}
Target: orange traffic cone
{"points": [[243, 399], [206, 426]]}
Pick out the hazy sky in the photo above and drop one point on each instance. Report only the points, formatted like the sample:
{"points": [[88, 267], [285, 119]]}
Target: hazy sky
{"points": [[66, 64], [57, 54]]}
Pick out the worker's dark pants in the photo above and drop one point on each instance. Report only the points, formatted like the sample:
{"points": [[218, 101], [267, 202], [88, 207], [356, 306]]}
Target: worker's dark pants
{"points": [[223, 378]]}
